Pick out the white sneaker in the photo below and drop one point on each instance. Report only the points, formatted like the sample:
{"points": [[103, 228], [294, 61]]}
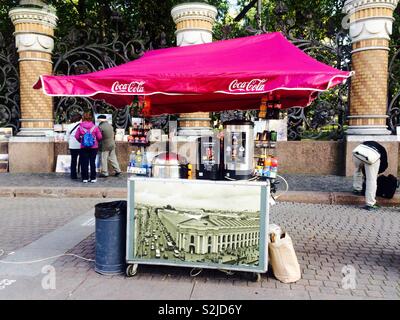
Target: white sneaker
{"points": [[93, 181], [85, 181]]}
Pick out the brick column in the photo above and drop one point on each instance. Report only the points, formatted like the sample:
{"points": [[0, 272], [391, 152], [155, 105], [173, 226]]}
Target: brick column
{"points": [[370, 30], [194, 24], [34, 32]]}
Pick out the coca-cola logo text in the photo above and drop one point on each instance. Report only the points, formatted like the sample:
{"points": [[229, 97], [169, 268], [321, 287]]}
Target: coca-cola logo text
{"points": [[133, 87], [255, 85]]}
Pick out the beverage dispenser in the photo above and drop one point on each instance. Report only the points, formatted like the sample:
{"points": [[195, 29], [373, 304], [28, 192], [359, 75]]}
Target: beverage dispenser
{"points": [[209, 159], [238, 150]]}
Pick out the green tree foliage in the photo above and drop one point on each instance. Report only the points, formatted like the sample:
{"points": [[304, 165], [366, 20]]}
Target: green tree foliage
{"points": [[318, 18], [153, 17]]}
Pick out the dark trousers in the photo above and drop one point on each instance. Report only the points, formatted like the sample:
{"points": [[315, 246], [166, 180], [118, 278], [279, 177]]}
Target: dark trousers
{"points": [[74, 162], [88, 159]]}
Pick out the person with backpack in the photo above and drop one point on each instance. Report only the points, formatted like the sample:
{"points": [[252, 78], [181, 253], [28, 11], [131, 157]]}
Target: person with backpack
{"points": [[89, 136], [73, 144], [370, 160]]}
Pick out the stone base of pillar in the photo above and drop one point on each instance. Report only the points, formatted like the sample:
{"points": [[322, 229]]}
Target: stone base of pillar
{"points": [[31, 155], [390, 142], [35, 132], [196, 124], [368, 130], [194, 132]]}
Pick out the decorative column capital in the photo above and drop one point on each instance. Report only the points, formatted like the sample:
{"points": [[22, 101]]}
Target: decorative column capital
{"points": [[194, 10], [194, 22], [357, 5], [33, 15], [370, 23], [34, 30]]}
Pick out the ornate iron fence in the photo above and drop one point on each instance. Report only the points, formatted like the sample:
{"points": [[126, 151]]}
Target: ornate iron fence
{"points": [[394, 90], [9, 85], [326, 117], [84, 51]]}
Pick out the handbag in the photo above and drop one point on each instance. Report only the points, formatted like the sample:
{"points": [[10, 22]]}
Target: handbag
{"points": [[366, 154]]}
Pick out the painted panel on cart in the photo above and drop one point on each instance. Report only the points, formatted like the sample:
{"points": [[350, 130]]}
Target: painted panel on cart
{"points": [[179, 222]]}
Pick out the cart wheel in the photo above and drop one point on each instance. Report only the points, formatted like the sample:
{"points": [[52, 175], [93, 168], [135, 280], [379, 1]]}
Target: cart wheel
{"points": [[131, 270], [256, 277]]}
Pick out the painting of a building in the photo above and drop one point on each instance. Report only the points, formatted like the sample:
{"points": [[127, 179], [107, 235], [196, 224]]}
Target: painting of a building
{"points": [[211, 233], [187, 222]]}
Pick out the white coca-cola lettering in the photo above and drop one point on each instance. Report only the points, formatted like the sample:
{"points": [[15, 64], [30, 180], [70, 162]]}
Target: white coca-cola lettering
{"points": [[133, 87], [255, 85]]}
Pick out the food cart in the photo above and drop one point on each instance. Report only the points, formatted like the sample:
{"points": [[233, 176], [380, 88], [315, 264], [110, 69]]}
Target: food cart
{"points": [[248, 73]]}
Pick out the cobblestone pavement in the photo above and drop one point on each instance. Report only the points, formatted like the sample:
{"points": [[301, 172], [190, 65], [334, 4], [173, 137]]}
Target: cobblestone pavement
{"points": [[326, 239], [296, 182], [24, 220]]}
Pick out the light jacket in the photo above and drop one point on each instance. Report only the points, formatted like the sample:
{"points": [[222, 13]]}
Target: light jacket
{"points": [[107, 132], [88, 126], [71, 130]]}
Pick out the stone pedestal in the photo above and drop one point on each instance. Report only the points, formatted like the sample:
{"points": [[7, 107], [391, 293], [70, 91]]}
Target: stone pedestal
{"points": [[31, 155], [391, 144], [194, 24], [34, 39]]}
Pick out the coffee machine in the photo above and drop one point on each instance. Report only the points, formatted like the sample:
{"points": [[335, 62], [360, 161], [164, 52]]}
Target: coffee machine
{"points": [[208, 158], [238, 150]]}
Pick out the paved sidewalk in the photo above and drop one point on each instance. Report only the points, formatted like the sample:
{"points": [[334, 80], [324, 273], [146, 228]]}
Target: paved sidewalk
{"points": [[327, 239], [296, 182], [25, 220], [302, 189]]}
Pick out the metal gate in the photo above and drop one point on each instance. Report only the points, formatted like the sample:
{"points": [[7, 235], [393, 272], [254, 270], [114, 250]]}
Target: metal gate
{"points": [[9, 85]]}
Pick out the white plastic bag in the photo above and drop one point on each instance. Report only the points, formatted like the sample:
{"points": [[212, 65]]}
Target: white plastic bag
{"points": [[283, 258]]}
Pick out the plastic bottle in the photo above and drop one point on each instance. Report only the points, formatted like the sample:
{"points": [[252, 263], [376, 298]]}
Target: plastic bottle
{"points": [[132, 159], [274, 167], [145, 164], [138, 159], [267, 166], [190, 171]]}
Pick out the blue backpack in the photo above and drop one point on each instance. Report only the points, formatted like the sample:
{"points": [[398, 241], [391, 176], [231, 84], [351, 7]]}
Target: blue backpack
{"points": [[88, 139]]}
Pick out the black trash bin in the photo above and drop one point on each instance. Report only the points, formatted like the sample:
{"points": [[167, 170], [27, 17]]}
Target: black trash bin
{"points": [[110, 237]]}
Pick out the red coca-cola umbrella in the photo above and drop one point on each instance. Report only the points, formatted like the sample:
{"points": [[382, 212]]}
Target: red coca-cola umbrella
{"points": [[223, 75]]}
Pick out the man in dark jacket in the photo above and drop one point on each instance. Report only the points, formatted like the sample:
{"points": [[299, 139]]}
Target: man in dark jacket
{"points": [[107, 148], [370, 172]]}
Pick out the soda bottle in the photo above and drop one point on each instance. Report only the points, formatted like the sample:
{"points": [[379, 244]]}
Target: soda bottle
{"points": [[138, 159], [267, 166], [274, 167]]}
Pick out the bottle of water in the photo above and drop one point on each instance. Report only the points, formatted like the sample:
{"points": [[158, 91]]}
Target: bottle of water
{"points": [[132, 159], [145, 164]]}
